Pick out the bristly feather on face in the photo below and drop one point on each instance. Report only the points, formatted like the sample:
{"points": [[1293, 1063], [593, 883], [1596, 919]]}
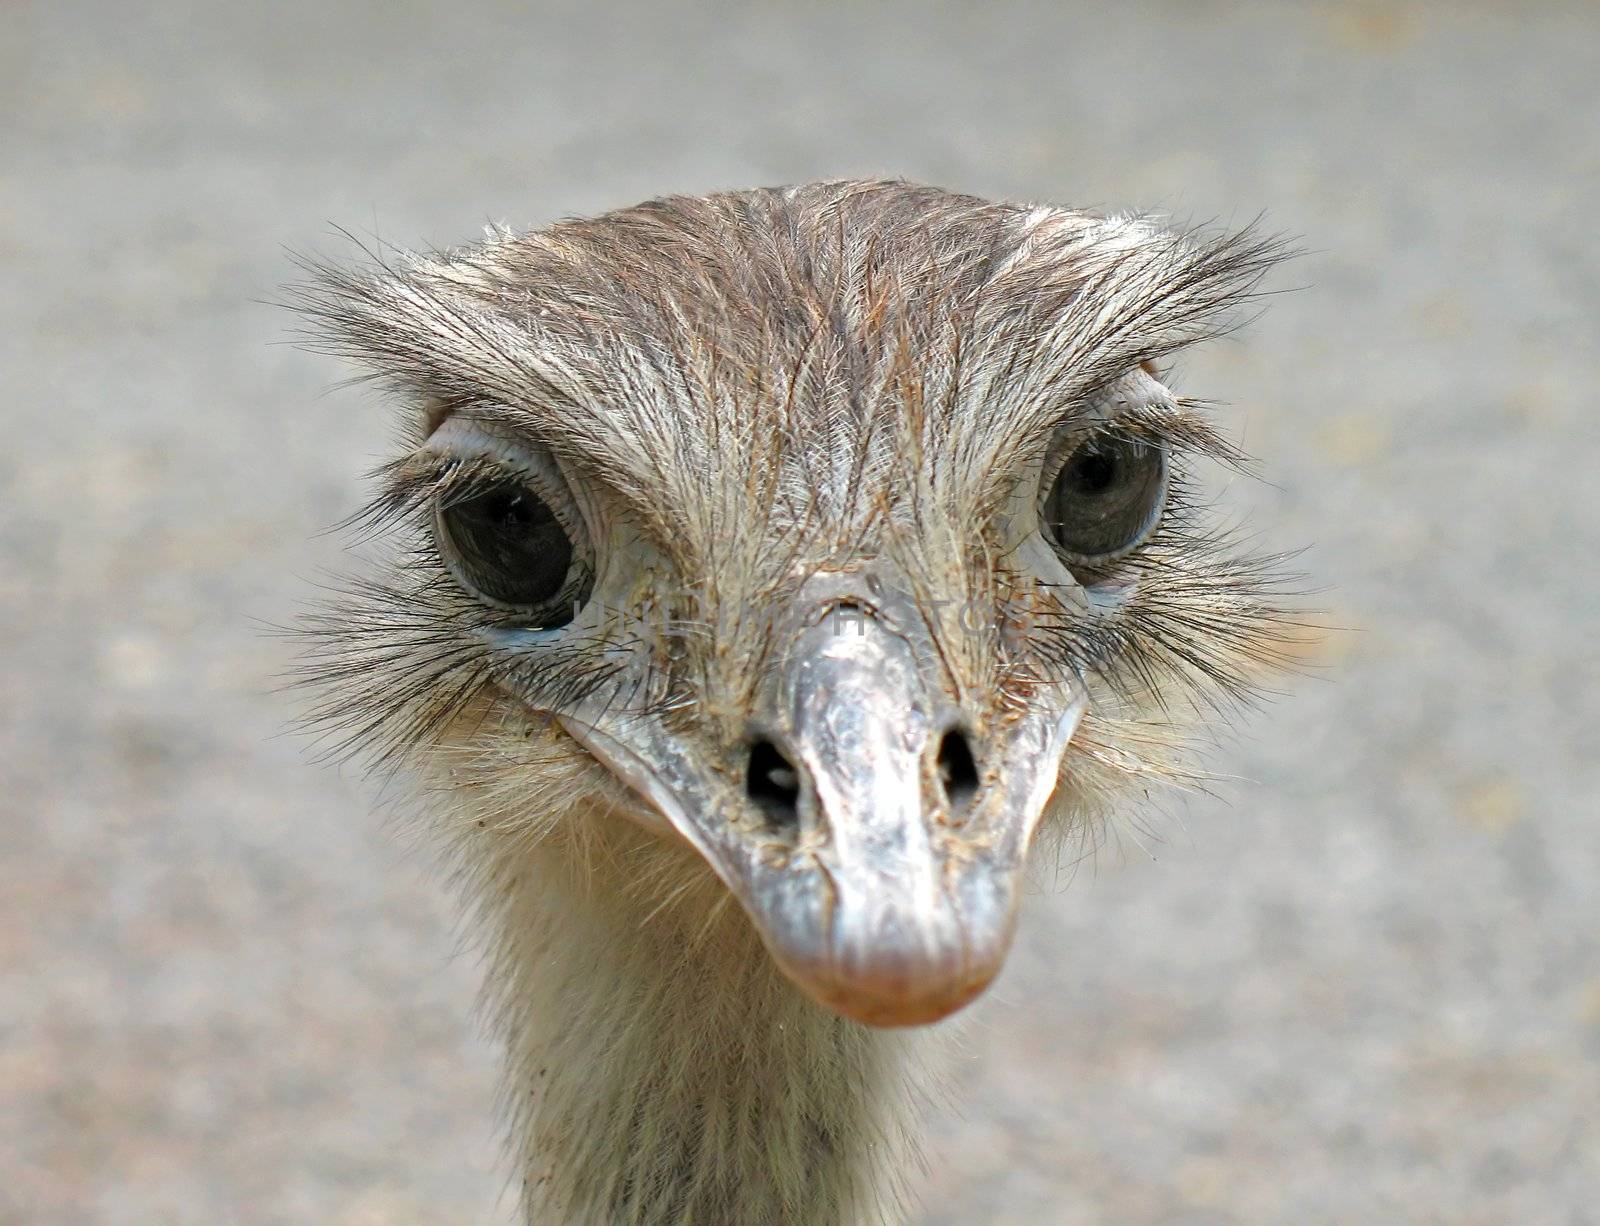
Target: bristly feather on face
{"points": [[753, 388]]}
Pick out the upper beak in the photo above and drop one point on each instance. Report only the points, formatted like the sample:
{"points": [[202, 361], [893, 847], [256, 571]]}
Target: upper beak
{"points": [[877, 832]]}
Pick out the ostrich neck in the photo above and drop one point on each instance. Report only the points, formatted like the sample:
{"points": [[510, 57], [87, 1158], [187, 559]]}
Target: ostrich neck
{"points": [[662, 1070]]}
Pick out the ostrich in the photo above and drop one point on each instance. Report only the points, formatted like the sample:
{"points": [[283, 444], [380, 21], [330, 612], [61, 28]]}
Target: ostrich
{"points": [[771, 575]]}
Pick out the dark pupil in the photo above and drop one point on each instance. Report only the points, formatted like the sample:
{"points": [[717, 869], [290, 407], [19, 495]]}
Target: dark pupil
{"points": [[1093, 472], [511, 547], [508, 510]]}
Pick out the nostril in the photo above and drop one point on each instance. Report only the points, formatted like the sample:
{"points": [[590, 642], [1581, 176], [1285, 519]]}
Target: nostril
{"points": [[773, 783], [958, 770]]}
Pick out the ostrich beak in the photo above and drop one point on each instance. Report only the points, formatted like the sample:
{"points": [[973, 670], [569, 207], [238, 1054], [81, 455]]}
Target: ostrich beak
{"points": [[878, 833], [920, 823]]}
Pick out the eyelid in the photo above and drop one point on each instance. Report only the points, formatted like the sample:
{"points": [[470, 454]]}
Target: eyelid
{"points": [[461, 438]]}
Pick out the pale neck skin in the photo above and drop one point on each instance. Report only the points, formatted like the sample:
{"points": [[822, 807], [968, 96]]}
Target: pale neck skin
{"points": [[660, 1069]]}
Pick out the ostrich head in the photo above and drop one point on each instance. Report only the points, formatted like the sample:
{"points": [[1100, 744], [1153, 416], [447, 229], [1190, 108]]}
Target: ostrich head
{"points": [[836, 539]]}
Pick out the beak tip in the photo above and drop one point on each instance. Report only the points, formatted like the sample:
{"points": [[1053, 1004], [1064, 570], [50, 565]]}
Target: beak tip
{"points": [[891, 985], [898, 1009]]}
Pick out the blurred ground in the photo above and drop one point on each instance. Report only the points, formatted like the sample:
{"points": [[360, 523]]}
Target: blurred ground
{"points": [[1361, 986]]}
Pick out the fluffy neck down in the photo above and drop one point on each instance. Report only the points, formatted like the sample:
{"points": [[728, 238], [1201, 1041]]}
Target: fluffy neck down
{"points": [[660, 1068]]}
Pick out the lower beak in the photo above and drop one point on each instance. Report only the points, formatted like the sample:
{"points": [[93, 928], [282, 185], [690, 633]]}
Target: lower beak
{"points": [[884, 880]]}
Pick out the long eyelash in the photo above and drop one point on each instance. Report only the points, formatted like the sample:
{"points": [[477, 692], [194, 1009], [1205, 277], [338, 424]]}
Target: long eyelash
{"points": [[394, 662], [1185, 428], [408, 488], [1210, 631], [397, 661], [1207, 619], [388, 666]]}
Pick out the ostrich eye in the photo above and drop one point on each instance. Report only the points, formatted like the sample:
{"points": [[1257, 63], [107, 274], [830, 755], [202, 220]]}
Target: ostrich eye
{"points": [[506, 545], [1106, 498]]}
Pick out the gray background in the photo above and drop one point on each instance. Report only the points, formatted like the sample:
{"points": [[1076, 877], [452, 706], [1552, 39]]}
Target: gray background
{"points": [[1362, 984]]}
